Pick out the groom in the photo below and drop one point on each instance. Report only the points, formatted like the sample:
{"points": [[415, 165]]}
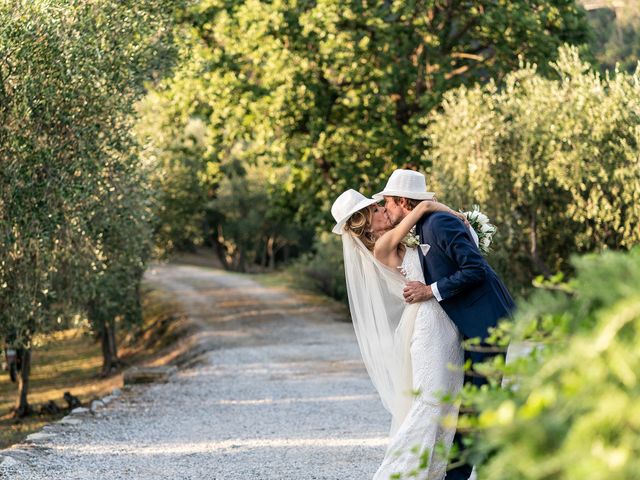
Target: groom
{"points": [[455, 272]]}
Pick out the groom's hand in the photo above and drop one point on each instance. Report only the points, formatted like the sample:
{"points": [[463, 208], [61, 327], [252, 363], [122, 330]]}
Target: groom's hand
{"points": [[417, 292]]}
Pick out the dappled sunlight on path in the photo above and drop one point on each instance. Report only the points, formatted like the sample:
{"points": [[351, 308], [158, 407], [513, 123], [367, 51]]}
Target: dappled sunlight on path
{"points": [[280, 392], [231, 445]]}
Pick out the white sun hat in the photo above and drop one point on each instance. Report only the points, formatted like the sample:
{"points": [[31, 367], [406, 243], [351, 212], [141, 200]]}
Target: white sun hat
{"points": [[348, 203], [406, 183]]}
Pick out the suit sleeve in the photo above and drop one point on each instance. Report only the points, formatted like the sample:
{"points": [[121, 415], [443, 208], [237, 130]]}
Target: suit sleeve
{"points": [[452, 237]]}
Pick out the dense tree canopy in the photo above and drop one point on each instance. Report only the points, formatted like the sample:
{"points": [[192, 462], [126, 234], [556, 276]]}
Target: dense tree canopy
{"points": [[334, 93]]}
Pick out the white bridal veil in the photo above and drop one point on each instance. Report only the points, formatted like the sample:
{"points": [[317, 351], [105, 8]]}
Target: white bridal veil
{"points": [[383, 324]]}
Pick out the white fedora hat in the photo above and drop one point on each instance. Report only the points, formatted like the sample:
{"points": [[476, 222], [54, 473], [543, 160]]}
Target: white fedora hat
{"points": [[348, 203], [406, 183]]}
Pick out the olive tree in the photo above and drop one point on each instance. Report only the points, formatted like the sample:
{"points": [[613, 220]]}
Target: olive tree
{"points": [[335, 92], [553, 161], [69, 73]]}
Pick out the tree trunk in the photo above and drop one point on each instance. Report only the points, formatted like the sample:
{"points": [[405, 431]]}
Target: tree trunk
{"points": [[113, 346], [271, 253], [264, 256], [534, 250], [22, 406], [218, 241], [109, 347], [241, 266], [138, 300]]}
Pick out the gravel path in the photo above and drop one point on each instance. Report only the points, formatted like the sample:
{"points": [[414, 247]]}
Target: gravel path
{"points": [[282, 394]]}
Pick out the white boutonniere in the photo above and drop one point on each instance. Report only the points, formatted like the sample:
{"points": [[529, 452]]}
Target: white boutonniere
{"points": [[485, 229], [411, 240]]}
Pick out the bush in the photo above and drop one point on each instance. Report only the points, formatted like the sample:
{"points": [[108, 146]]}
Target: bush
{"points": [[574, 413], [323, 270], [553, 162]]}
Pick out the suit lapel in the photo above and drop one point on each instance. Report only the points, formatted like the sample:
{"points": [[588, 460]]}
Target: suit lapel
{"points": [[424, 262]]}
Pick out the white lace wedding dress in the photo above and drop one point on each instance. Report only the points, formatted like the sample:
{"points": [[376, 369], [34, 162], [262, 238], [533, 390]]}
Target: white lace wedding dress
{"points": [[436, 365]]}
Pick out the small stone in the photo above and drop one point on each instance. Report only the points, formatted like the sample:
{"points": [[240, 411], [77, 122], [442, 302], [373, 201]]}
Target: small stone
{"points": [[72, 400], [116, 392], [70, 421], [79, 411], [108, 399], [97, 405], [34, 437]]}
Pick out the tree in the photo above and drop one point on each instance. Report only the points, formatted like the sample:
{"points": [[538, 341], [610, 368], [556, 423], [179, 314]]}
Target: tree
{"points": [[252, 218], [337, 92], [122, 226], [69, 73], [615, 34], [554, 162]]}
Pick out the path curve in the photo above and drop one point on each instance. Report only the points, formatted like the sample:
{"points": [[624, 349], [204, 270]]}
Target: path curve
{"points": [[281, 394]]}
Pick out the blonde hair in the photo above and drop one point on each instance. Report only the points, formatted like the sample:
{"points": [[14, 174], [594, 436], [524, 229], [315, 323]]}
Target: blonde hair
{"points": [[359, 224]]}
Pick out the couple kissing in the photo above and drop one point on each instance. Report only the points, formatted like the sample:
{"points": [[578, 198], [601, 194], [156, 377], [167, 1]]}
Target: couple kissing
{"points": [[418, 286]]}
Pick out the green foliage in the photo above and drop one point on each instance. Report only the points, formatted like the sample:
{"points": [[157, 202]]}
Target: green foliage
{"points": [[573, 413], [252, 218], [322, 269], [175, 150], [553, 162], [334, 92], [74, 218], [615, 35]]}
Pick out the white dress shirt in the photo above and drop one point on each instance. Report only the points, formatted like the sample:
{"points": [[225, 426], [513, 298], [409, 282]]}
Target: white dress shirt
{"points": [[434, 285]]}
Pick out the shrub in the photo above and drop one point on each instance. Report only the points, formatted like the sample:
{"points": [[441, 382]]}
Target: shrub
{"points": [[574, 413], [323, 269], [553, 162]]}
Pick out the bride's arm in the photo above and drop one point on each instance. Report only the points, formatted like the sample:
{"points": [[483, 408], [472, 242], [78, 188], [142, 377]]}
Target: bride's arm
{"points": [[389, 242]]}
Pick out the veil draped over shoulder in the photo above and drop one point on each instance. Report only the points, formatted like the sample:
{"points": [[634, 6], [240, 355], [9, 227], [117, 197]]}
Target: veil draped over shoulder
{"points": [[383, 324]]}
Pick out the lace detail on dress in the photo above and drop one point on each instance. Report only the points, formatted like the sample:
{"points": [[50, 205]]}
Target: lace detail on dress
{"points": [[436, 351], [411, 267]]}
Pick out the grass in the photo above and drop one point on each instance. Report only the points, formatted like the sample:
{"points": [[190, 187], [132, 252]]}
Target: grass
{"points": [[71, 361], [278, 279], [65, 361]]}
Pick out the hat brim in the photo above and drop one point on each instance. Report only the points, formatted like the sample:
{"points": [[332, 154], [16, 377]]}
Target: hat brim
{"points": [[358, 206], [400, 193]]}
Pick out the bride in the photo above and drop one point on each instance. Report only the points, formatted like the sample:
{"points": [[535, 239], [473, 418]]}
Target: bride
{"points": [[412, 352]]}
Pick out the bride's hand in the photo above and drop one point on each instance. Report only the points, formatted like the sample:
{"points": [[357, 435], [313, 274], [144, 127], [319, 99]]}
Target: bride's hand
{"points": [[429, 206], [462, 217]]}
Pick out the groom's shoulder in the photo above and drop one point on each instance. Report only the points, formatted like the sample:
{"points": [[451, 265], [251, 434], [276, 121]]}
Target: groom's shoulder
{"points": [[444, 219], [440, 217]]}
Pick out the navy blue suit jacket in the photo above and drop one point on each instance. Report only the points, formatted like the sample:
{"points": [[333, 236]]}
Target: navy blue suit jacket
{"points": [[472, 294]]}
